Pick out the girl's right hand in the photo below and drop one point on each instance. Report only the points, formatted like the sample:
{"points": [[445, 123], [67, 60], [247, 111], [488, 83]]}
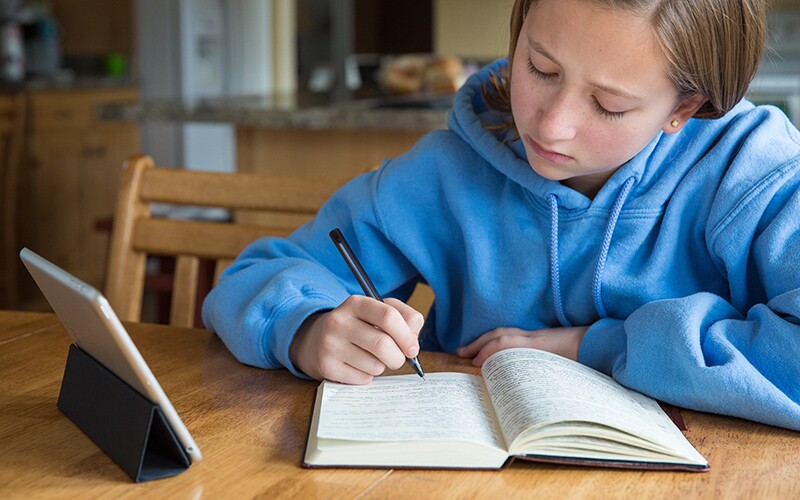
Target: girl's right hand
{"points": [[357, 341]]}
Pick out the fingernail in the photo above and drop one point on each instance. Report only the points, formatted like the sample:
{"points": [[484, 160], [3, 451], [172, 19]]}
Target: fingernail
{"points": [[413, 351]]}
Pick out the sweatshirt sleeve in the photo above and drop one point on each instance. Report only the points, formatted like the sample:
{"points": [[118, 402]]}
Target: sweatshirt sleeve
{"points": [[737, 355], [276, 283], [699, 352]]}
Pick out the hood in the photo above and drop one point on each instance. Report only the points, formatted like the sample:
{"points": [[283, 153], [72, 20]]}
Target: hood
{"points": [[645, 181]]}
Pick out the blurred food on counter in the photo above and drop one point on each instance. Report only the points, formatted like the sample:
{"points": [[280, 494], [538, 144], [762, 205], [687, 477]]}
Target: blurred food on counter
{"points": [[422, 73]]}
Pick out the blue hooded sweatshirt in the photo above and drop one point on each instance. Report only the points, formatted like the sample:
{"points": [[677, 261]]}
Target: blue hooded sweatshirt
{"points": [[685, 265]]}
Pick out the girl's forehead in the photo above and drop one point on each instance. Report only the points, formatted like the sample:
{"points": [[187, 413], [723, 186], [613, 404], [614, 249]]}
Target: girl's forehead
{"points": [[583, 23], [615, 46]]}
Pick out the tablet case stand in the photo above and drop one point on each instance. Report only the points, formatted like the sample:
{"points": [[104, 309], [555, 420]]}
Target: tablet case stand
{"points": [[128, 427]]}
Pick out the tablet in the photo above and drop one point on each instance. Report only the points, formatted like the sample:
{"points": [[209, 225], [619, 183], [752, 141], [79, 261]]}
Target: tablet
{"points": [[94, 327]]}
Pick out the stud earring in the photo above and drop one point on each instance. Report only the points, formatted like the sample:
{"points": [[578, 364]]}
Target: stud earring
{"points": [[674, 123]]}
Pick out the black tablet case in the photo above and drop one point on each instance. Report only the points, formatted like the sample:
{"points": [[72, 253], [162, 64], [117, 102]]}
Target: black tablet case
{"points": [[127, 426]]}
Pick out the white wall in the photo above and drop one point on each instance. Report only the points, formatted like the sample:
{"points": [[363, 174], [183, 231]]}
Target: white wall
{"points": [[284, 46], [471, 28]]}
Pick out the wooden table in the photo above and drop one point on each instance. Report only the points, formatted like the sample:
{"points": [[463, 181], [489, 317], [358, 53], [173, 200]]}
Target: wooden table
{"points": [[251, 427]]}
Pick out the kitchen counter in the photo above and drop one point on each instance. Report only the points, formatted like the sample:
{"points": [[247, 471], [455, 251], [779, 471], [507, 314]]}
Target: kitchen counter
{"points": [[308, 135], [72, 83], [412, 114]]}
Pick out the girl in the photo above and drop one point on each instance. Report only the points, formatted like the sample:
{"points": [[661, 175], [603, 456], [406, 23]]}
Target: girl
{"points": [[604, 194]]}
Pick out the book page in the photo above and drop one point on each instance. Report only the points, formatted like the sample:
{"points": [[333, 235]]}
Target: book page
{"points": [[530, 388], [445, 406]]}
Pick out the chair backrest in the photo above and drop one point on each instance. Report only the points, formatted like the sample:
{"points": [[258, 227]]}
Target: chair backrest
{"points": [[136, 233], [12, 131]]}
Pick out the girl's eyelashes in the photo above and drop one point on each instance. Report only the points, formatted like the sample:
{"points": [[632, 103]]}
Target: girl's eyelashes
{"points": [[611, 115], [539, 74]]}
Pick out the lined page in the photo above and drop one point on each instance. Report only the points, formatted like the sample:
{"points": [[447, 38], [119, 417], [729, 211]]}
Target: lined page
{"points": [[446, 406]]}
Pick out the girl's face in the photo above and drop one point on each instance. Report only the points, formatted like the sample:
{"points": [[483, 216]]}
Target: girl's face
{"points": [[589, 90]]}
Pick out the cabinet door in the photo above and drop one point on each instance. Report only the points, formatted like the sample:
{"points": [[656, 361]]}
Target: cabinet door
{"points": [[50, 198], [71, 186], [72, 177]]}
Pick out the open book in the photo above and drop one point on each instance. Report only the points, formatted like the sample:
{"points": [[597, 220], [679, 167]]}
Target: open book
{"points": [[528, 404]]}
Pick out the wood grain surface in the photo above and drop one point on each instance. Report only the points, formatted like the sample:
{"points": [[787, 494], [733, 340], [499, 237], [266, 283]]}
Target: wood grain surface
{"points": [[251, 427]]}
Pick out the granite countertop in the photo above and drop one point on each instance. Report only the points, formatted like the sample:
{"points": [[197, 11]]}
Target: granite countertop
{"points": [[67, 83], [410, 113]]}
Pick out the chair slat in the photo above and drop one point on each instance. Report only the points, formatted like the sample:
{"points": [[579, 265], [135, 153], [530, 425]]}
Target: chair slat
{"points": [[181, 312], [219, 268], [125, 275], [240, 191], [201, 239]]}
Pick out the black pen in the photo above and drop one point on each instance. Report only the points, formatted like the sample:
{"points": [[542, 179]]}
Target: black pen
{"points": [[366, 284]]}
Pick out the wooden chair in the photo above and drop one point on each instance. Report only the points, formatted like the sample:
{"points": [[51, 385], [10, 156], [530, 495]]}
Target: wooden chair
{"points": [[284, 202], [12, 131]]}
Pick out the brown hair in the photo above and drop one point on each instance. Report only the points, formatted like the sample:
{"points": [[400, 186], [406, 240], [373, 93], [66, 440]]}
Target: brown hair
{"points": [[712, 48]]}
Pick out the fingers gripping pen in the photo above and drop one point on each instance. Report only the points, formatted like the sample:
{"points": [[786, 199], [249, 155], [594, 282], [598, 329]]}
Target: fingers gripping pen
{"points": [[366, 284]]}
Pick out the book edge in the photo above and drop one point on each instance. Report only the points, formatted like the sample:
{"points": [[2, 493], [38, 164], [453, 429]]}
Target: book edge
{"points": [[608, 464]]}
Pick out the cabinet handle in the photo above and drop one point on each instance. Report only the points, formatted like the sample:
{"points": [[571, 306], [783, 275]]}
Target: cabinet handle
{"points": [[65, 114], [96, 152]]}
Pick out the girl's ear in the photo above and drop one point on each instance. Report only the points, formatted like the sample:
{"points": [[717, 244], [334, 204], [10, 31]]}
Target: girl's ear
{"points": [[683, 112]]}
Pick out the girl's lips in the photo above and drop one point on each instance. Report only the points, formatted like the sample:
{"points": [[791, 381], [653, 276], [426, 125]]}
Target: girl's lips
{"points": [[548, 154]]}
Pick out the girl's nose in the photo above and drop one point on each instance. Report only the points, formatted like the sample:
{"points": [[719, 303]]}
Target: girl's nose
{"points": [[558, 118]]}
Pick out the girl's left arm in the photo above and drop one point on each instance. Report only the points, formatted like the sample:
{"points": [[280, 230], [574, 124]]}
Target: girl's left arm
{"points": [[700, 352], [738, 355]]}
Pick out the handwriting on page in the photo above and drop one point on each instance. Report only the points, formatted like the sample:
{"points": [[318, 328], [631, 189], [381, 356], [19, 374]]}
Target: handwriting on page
{"points": [[557, 389], [442, 407]]}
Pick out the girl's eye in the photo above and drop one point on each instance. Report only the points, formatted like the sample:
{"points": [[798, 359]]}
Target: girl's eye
{"points": [[611, 115], [539, 74]]}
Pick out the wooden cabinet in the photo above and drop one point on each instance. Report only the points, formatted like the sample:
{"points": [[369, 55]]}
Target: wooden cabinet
{"points": [[338, 153], [71, 178], [311, 153]]}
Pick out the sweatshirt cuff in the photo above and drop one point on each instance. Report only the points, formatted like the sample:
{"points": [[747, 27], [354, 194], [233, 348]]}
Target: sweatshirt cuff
{"points": [[287, 325], [603, 345]]}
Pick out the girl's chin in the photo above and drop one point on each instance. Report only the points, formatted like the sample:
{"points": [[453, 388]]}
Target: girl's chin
{"points": [[550, 173]]}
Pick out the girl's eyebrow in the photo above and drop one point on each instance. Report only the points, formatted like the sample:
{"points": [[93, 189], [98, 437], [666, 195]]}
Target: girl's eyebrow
{"points": [[538, 47]]}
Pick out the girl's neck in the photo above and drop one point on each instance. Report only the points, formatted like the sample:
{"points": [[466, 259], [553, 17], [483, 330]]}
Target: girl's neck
{"points": [[588, 185]]}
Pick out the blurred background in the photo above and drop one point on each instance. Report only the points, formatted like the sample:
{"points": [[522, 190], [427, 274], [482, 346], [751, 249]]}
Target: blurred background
{"points": [[187, 50], [246, 85]]}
